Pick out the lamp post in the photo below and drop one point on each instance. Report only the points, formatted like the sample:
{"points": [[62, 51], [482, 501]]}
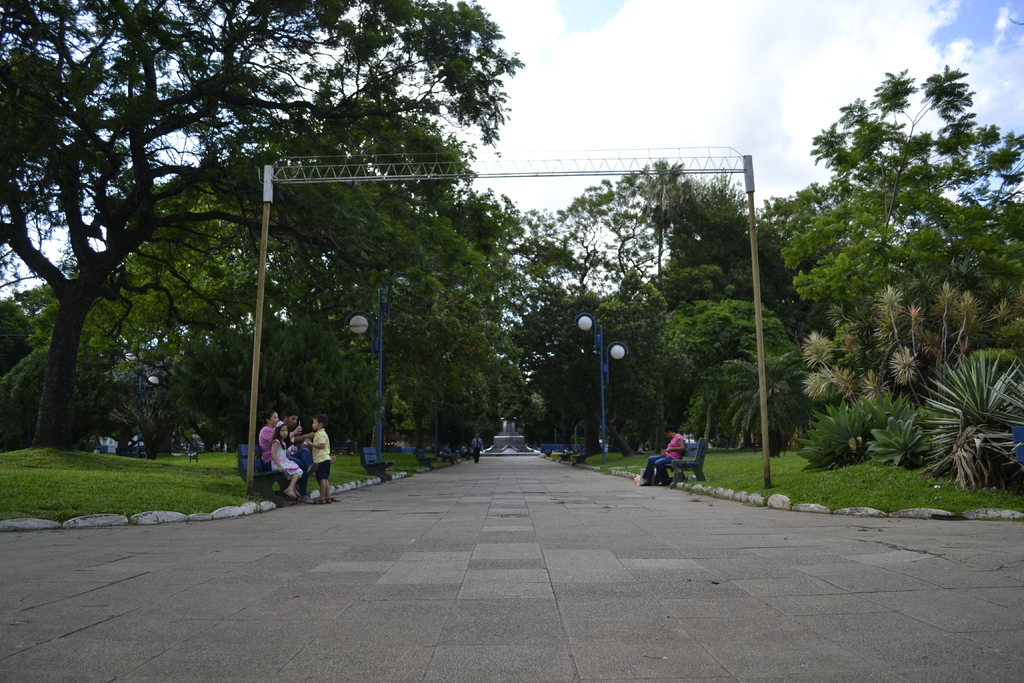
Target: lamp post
{"points": [[359, 322], [144, 383], [617, 350]]}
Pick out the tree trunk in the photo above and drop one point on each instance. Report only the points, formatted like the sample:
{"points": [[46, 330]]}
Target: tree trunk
{"points": [[205, 435], [614, 435], [659, 429], [417, 416], [592, 438], [707, 424], [53, 421]]}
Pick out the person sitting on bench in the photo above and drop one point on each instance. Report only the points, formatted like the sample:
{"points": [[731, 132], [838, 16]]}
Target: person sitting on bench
{"points": [[657, 465], [280, 462], [299, 452]]}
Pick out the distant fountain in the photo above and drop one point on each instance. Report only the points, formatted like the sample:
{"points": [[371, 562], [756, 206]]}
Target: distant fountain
{"points": [[509, 442]]}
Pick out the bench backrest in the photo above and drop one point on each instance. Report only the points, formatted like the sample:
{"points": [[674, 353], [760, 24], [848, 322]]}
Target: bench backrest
{"points": [[369, 454], [697, 450], [243, 450], [258, 466], [1018, 437]]}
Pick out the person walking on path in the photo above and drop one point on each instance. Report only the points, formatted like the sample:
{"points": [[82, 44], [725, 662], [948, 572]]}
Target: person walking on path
{"points": [[477, 445], [656, 472]]}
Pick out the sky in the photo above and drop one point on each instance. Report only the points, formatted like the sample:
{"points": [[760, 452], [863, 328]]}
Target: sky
{"points": [[760, 77]]}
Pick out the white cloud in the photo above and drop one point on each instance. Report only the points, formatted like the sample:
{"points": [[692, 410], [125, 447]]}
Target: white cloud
{"points": [[763, 78]]}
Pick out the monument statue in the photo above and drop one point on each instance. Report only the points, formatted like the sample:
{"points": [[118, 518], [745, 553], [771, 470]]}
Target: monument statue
{"points": [[509, 442]]}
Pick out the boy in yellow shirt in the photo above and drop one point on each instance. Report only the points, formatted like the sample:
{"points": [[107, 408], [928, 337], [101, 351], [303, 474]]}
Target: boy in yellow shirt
{"points": [[322, 457]]}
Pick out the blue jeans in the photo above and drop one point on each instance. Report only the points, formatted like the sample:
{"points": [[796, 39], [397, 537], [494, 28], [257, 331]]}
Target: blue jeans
{"points": [[303, 459], [657, 468]]}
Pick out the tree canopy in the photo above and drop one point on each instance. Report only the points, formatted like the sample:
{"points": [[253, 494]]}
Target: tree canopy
{"points": [[134, 125], [905, 201]]}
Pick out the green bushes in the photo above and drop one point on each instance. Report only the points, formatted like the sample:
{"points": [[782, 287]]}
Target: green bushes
{"points": [[837, 438], [964, 430], [883, 429], [901, 443], [973, 407]]}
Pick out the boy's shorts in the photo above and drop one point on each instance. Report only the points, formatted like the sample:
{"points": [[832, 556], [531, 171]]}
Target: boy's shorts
{"points": [[323, 470]]}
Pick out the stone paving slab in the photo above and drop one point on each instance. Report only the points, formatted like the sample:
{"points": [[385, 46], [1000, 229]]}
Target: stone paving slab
{"points": [[517, 570]]}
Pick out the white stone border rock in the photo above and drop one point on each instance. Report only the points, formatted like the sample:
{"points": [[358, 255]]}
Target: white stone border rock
{"points": [[168, 517], [780, 502]]}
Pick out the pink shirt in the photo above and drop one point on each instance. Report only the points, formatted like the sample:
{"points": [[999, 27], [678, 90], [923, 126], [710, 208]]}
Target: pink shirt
{"points": [[266, 434], [677, 441]]}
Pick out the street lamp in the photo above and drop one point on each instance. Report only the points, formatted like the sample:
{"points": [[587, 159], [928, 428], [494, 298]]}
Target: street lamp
{"points": [[143, 383], [361, 321], [617, 350]]}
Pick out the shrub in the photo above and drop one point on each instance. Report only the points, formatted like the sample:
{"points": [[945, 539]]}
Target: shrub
{"points": [[836, 438], [973, 408], [843, 435], [901, 443]]}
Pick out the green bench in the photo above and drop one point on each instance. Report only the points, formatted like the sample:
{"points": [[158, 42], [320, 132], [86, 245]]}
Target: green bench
{"points": [[682, 467], [374, 466], [263, 477], [423, 458]]}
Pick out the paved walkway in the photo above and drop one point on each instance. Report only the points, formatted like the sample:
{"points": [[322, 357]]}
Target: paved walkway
{"points": [[517, 569]]}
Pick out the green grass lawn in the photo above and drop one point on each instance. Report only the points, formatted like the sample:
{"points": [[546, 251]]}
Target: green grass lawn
{"points": [[868, 484], [59, 485]]}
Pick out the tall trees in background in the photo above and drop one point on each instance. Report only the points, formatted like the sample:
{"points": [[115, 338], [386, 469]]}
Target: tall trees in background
{"points": [[135, 125], [915, 245], [906, 202]]}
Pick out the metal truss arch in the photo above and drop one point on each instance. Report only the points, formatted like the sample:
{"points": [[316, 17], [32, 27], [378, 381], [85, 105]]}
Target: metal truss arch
{"points": [[403, 167]]}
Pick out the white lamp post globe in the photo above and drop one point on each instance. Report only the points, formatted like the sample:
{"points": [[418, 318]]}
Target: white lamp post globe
{"points": [[153, 379], [617, 351], [585, 323], [358, 324]]}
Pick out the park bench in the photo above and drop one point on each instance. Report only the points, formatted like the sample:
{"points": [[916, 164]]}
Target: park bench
{"points": [[263, 477], [686, 464], [373, 465], [578, 458], [132, 452], [1018, 450], [423, 458]]}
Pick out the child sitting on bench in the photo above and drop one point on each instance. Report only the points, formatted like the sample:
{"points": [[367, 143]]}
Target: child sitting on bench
{"points": [[280, 463]]}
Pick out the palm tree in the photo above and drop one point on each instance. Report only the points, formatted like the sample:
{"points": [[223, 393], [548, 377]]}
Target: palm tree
{"points": [[789, 409], [665, 189]]}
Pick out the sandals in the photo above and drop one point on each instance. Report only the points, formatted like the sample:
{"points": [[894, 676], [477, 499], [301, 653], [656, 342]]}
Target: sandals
{"points": [[290, 495]]}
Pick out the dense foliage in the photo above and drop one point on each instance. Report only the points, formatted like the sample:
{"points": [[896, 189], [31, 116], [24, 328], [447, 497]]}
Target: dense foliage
{"points": [[131, 131], [893, 315]]}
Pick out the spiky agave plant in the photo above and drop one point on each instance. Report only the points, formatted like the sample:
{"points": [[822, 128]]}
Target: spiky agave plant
{"points": [[973, 406]]}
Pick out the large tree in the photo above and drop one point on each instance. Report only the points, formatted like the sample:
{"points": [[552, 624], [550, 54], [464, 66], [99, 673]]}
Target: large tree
{"points": [[919, 192], [127, 122]]}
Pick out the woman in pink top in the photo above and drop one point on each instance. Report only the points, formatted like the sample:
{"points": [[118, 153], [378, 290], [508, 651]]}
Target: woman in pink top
{"points": [[656, 471], [266, 435]]}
